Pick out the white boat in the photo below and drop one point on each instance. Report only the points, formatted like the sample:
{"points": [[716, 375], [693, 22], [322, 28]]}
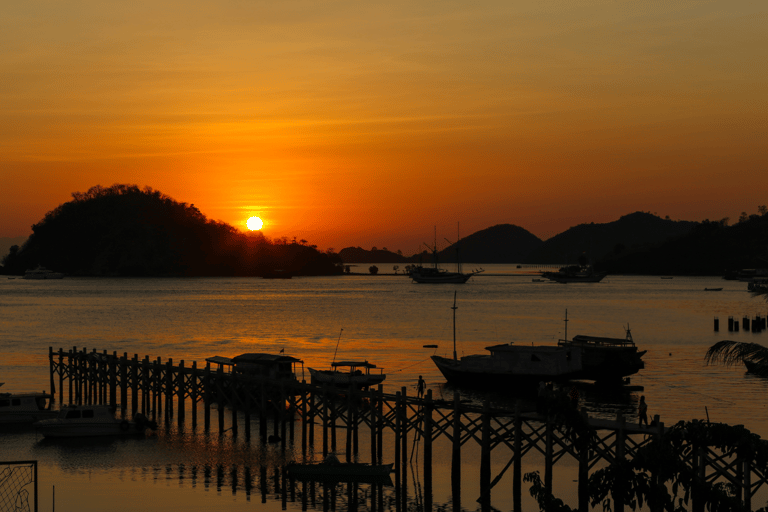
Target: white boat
{"points": [[355, 373], [92, 421], [42, 273], [17, 408]]}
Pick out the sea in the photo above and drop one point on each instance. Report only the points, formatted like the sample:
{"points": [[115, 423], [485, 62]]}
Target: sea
{"points": [[384, 319]]}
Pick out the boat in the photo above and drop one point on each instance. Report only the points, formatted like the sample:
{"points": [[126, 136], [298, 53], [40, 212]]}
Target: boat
{"points": [[605, 360], [92, 421], [354, 373], [331, 469], [758, 284], [713, 289], [511, 367], [517, 368], [275, 367], [575, 274], [436, 275], [18, 408], [42, 273]]}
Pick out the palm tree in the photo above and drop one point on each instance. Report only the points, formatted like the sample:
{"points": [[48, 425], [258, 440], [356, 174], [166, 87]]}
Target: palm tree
{"points": [[753, 355]]}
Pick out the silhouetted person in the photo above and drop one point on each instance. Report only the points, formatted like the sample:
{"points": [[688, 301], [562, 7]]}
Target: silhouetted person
{"points": [[574, 396], [642, 412], [420, 388]]}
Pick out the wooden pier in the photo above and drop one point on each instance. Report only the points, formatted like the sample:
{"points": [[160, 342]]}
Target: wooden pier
{"points": [[301, 412]]}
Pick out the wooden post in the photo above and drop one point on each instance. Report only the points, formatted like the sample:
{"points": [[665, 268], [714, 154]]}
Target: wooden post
{"points": [[71, 374], [380, 425], [181, 393], [195, 393], [403, 412], [372, 416], [485, 459], [348, 446], [247, 419], [428, 406], [263, 415], [304, 420], [324, 399], [456, 454], [61, 378], [207, 397], [548, 453], [398, 432], [583, 451], [517, 475], [112, 379], [169, 390], [619, 484], [220, 397], [232, 400], [51, 371], [134, 384], [747, 483]]}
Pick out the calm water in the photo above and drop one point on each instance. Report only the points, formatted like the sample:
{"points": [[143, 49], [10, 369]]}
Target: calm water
{"points": [[384, 319]]}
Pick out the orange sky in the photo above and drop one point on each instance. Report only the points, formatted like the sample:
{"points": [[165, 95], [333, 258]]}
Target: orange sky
{"points": [[369, 123]]}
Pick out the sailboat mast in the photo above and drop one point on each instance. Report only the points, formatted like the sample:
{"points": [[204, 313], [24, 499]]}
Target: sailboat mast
{"points": [[337, 348], [454, 308], [566, 325]]}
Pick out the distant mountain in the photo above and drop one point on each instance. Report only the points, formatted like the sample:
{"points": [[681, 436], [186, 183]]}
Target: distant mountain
{"points": [[503, 243], [710, 248], [596, 241]]}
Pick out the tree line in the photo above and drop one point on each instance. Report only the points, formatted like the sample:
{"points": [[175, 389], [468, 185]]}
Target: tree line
{"points": [[123, 230]]}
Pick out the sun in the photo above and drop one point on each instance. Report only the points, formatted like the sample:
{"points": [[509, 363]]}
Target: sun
{"points": [[254, 223]]}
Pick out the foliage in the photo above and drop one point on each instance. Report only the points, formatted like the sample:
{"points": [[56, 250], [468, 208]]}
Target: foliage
{"points": [[657, 476], [126, 231], [373, 269]]}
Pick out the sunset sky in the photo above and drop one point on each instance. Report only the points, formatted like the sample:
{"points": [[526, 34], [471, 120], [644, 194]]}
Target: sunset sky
{"points": [[370, 123]]}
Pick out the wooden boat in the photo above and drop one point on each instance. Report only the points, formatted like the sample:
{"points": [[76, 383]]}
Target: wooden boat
{"points": [[92, 421], [19, 408], [355, 373], [276, 367], [575, 274], [332, 470], [436, 275], [712, 289]]}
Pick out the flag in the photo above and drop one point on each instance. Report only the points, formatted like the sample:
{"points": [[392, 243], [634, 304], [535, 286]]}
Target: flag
{"points": [[282, 351]]}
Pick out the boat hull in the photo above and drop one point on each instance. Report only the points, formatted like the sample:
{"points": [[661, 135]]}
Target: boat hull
{"points": [[443, 277], [484, 376], [344, 380], [341, 472], [56, 429]]}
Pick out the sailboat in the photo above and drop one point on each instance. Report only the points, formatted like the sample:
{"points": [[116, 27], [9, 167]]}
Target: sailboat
{"points": [[435, 274]]}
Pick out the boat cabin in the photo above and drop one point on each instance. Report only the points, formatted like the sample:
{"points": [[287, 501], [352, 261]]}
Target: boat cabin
{"points": [[87, 412], [355, 367], [24, 402], [276, 367]]}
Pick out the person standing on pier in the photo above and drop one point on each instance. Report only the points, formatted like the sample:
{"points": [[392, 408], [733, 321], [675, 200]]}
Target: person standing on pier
{"points": [[642, 412], [420, 388]]}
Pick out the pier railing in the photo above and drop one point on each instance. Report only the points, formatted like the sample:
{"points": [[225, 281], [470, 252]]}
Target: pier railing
{"points": [[164, 391]]}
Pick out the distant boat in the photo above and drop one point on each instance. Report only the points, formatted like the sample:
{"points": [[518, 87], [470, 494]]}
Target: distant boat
{"points": [[667, 277], [42, 273], [575, 274], [277, 274], [712, 289], [434, 274]]}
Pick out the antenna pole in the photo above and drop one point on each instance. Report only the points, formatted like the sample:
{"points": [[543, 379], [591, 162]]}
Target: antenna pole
{"points": [[337, 348], [454, 308], [566, 325]]}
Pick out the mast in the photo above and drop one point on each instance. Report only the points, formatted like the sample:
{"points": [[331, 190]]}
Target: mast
{"points": [[337, 348], [566, 325], [454, 308]]}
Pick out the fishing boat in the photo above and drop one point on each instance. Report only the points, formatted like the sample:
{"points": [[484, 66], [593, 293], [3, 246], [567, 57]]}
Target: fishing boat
{"points": [[605, 360], [92, 421], [713, 289], [275, 367], [42, 273], [331, 469], [435, 275], [348, 373], [19, 408], [575, 274]]}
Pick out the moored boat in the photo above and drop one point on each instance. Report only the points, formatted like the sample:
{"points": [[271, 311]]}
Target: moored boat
{"points": [[42, 273], [275, 367], [575, 274], [606, 360], [18, 408], [355, 373], [331, 469], [92, 421]]}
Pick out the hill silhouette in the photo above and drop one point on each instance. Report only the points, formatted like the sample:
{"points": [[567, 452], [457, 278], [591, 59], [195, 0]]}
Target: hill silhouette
{"points": [[596, 241], [126, 231], [710, 248]]}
